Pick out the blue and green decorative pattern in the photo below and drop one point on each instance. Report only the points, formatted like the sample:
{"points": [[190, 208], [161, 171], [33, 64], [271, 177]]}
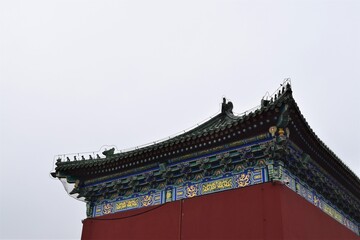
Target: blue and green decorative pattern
{"points": [[120, 204], [316, 199], [248, 177]]}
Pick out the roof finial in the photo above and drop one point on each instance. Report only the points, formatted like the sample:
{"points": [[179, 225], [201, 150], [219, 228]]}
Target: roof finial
{"points": [[226, 107], [109, 153]]}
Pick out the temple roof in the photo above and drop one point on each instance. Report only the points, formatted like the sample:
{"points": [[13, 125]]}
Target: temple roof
{"points": [[221, 121], [258, 121]]}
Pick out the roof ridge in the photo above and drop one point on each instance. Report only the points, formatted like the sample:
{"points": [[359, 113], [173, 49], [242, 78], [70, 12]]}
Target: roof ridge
{"points": [[225, 117]]}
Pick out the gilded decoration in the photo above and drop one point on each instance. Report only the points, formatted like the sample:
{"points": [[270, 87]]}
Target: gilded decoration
{"points": [[107, 208], [217, 185], [333, 213], [147, 200], [239, 167], [272, 130], [243, 180], [191, 191], [316, 201], [168, 195], [132, 203], [198, 177], [218, 172]]}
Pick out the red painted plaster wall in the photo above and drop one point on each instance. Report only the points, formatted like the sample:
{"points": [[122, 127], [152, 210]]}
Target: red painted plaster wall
{"points": [[302, 220], [157, 222], [264, 211]]}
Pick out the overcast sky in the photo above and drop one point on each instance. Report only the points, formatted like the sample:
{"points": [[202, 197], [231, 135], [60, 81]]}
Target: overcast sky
{"points": [[77, 75]]}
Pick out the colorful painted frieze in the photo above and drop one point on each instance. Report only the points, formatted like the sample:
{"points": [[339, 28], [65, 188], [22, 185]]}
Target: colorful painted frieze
{"points": [[120, 204], [248, 177]]}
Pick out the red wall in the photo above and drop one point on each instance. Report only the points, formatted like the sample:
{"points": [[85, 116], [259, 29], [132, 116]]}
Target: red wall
{"points": [[264, 211]]}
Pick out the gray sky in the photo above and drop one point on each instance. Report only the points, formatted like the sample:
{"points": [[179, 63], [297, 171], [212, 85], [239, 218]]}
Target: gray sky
{"points": [[77, 75]]}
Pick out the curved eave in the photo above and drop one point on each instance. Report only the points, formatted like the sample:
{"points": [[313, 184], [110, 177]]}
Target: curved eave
{"points": [[220, 123], [217, 124], [344, 174]]}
